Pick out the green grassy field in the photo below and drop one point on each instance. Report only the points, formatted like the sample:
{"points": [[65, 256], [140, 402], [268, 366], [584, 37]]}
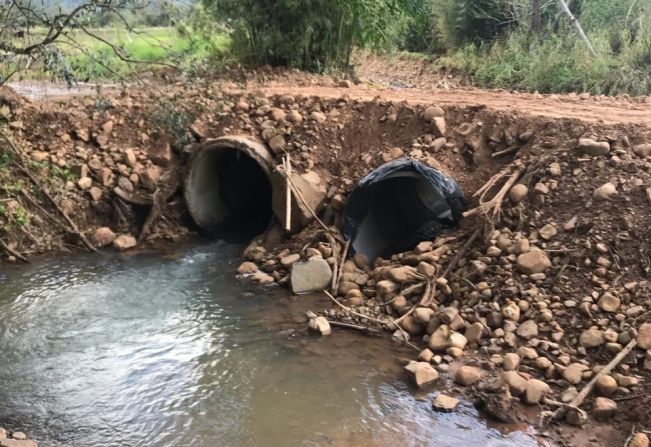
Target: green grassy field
{"points": [[88, 58]]}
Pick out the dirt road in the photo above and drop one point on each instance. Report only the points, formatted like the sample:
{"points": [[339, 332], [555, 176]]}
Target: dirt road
{"points": [[604, 110], [607, 110]]}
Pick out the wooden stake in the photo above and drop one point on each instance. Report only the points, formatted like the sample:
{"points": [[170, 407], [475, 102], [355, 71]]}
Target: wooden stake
{"points": [[309, 208], [287, 162]]}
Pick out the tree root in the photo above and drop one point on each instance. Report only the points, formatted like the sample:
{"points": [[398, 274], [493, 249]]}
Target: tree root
{"points": [[494, 205], [71, 226], [166, 187]]}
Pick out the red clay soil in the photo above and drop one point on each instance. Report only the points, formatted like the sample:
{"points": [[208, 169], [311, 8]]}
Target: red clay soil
{"points": [[607, 110]]}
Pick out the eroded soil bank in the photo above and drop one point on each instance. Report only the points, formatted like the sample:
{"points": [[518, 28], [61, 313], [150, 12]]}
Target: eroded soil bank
{"points": [[526, 302]]}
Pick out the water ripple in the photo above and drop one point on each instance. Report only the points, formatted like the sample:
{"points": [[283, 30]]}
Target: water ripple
{"points": [[109, 350]]}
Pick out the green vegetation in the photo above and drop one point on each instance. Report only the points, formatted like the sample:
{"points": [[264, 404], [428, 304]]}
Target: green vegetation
{"points": [[521, 44], [80, 56], [538, 49], [19, 217], [169, 121], [314, 35]]}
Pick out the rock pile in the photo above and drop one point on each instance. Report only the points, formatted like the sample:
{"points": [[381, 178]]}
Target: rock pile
{"points": [[15, 439]]}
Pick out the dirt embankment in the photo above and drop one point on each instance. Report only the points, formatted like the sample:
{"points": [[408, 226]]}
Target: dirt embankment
{"points": [[529, 310]]}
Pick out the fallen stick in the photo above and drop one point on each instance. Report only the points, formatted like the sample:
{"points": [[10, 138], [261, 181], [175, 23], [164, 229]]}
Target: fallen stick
{"points": [[428, 295], [358, 327], [348, 309], [165, 188], [461, 252], [579, 398], [505, 151], [335, 255], [405, 315], [415, 288], [376, 320], [13, 252]]}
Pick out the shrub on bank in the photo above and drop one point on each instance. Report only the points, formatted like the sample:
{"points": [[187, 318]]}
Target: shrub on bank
{"points": [[555, 65]]}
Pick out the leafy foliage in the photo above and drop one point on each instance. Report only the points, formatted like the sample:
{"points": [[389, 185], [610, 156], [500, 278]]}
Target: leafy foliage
{"points": [[471, 21], [309, 34], [553, 59]]}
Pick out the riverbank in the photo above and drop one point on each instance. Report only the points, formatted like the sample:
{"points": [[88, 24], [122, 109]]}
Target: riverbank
{"points": [[528, 309]]}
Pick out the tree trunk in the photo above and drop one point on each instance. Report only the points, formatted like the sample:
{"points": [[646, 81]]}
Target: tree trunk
{"points": [[577, 25], [535, 17]]}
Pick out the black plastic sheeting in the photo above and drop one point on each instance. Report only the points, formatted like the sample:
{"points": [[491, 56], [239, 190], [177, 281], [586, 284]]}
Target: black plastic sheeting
{"points": [[398, 205]]}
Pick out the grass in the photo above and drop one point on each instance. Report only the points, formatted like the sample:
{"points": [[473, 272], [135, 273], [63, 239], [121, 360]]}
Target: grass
{"points": [[555, 65], [80, 56]]}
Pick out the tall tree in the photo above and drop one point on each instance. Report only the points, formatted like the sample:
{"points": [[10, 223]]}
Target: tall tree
{"points": [[536, 17]]}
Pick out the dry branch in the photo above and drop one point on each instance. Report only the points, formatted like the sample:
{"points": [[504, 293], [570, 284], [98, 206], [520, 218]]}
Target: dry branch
{"points": [[579, 398], [461, 252], [19, 164], [375, 320], [495, 204], [12, 252], [358, 327], [340, 267], [287, 163]]}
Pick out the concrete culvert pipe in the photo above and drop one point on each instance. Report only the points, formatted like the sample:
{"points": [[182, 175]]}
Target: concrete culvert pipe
{"points": [[398, 205], [228, 190]]}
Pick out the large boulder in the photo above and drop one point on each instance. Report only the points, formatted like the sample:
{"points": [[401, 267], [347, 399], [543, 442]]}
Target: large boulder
{"points": [[592, 338], [643, 150], [644, 336], [312, 188], [445, 403], [421, 373], [468, 375], [534, 261], [310, 276], [124, 242], [102, 237], [603, 408], [593, 148]]}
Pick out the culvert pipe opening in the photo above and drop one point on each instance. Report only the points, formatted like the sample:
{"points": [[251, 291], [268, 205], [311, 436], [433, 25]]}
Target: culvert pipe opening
{"points": [[228, 191], [398, 205]]}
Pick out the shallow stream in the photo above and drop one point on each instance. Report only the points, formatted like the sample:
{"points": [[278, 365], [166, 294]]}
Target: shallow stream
{"points": [[171, 350]]}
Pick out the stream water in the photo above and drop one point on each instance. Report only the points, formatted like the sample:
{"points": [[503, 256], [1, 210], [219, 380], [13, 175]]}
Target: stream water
{"points": [[171, 350]]}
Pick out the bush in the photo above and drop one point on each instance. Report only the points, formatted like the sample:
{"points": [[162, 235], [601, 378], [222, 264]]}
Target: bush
{"points": [[460, 22], [555, 65], [314, 35]]}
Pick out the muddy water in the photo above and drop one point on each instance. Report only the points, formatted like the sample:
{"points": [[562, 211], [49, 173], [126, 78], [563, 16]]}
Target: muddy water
{"points": [[155, 350]]}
